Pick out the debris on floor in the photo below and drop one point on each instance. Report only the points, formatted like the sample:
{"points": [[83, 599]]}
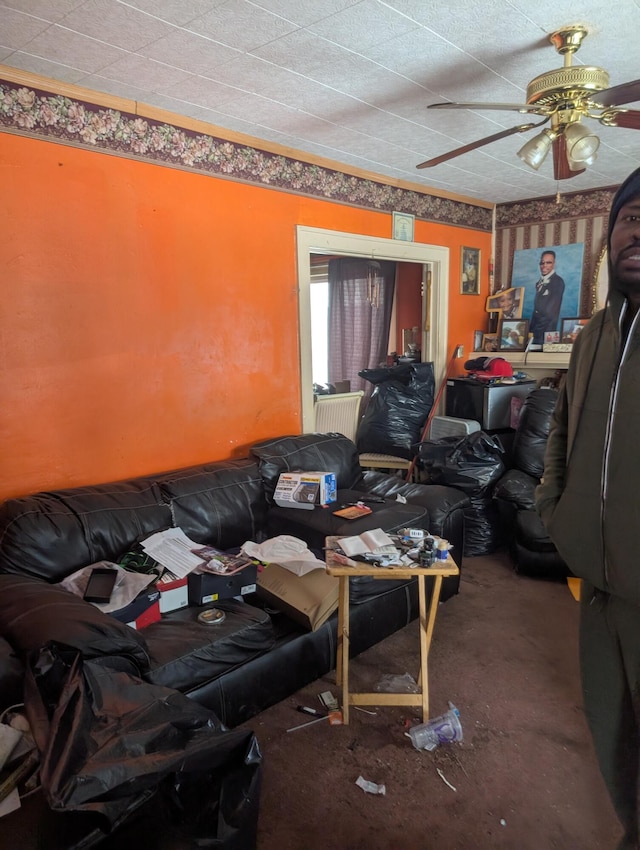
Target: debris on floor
{"points": [[370, 787]]}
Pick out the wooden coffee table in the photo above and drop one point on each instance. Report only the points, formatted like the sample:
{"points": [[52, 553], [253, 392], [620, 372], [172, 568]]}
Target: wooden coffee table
{"points": [[343, 568]]}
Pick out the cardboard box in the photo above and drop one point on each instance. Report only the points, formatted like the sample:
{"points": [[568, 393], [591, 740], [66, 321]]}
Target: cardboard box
{"points": [[309, 599], [174, 594], [151, 615], [305, 489], [144, 610], [207, 587]]}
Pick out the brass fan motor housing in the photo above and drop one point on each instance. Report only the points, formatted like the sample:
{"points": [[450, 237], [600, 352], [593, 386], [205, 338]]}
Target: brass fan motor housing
{"points": [[566, 85]]}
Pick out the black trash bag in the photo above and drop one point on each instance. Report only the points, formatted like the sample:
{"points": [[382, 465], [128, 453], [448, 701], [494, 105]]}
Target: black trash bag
{"points": [[112, 746], [472, 464], [395, 415]]}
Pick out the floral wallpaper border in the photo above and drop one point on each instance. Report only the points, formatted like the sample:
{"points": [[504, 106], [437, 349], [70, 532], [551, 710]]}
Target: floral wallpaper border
{"points": [[43, 115], [575, 205]]}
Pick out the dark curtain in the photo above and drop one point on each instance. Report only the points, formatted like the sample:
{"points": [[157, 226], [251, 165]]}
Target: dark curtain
{"points": [[360, 302]]}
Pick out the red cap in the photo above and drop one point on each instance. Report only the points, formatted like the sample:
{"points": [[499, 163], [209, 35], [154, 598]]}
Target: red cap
{"points": [[496, 367]]}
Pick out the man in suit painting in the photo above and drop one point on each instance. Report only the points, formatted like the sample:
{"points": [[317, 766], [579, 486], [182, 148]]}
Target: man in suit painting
{"points": [[548, 299]]}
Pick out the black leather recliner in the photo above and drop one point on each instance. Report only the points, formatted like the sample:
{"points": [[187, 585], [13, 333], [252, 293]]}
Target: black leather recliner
{"points": [[530, 546]]}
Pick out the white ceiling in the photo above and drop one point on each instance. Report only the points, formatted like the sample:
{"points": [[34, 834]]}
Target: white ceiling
{"points": [[348, 80]]}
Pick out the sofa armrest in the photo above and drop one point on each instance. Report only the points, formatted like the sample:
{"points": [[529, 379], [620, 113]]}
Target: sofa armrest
{"points": [[445, 505], [34, 613], [518, 488]]}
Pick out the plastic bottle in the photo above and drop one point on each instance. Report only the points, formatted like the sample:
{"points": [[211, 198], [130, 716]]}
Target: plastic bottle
{"points": [[441, 730], [443, 550]]}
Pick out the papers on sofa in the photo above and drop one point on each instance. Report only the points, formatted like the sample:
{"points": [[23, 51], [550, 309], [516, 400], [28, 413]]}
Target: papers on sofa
{"points": [[372, 542], [289, 552], [174, 550]]}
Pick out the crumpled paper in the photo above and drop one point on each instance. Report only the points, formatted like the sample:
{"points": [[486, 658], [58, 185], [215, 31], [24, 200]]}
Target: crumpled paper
{"points": [[128, 585], [289, 552]]}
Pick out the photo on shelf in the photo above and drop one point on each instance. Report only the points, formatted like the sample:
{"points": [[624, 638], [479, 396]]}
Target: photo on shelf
{"points": [[490, 342], [507, 302], [477, 340], [571, 328], [513, 334]]}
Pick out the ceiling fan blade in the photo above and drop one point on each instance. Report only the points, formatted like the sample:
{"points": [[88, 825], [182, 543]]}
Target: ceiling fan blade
{"points": [[617, 95], [510, 107], [522, 128], [561, 170], [630, 119]]}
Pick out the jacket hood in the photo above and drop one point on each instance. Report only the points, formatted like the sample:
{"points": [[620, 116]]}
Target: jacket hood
{"points": [[628, 190]]}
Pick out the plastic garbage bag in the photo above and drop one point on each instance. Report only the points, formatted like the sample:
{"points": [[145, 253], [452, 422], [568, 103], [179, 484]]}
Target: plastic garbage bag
{"points": [[473, 464], [112, 745], [397, 410]]}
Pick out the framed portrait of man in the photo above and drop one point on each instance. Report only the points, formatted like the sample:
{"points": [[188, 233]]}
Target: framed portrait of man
{"points": [[551, 278]]}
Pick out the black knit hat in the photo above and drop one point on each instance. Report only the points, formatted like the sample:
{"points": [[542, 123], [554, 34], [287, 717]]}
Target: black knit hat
{"points": [[628, 190]]}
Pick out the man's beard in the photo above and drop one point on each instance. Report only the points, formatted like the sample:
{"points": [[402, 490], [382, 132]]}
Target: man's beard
{"points": [[626, 283]]}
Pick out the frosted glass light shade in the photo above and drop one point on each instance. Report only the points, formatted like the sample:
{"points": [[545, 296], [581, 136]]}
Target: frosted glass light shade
{"points": [[535, 150]]}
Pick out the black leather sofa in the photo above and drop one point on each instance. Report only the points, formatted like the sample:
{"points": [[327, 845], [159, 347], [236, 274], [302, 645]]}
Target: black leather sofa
{"points": [[532, 551], [256, 657]]}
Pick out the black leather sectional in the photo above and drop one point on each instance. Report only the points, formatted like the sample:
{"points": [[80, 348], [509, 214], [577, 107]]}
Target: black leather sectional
{"points": [[256, 657]]}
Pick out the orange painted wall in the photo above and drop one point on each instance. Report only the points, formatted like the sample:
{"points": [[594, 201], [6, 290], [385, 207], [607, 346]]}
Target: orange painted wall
{"points": [[149, 315]]}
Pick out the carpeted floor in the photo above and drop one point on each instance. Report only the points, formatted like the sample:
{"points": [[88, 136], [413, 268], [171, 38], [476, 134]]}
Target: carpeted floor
{"points": [[524, 778]]}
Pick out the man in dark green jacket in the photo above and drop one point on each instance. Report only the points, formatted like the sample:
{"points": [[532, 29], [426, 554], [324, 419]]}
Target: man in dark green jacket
{"points": [[589, 500]]}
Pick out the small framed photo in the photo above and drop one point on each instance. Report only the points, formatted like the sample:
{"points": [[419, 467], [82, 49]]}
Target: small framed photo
{"points": [[403, 226], [570, 328], [490, 342], [477, 340], [507, 302], [470, 275], [513, 334], [551, 337]]}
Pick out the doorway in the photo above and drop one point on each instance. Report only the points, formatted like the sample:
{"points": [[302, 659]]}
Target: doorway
{"points": [[435, 262]]}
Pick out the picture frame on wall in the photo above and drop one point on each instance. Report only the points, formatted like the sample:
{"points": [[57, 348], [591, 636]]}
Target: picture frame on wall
{"points": [[403, 226], [513, 334], [470, 271]]}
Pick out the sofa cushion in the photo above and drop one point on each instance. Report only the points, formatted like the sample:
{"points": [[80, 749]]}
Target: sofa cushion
{"points": [[186, 653], [34, 613], [308, 452], [51, 535], [315, 525], [222, 504]]}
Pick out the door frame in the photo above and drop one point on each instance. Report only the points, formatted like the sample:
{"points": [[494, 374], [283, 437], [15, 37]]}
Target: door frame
{"points": [[434, 258]]}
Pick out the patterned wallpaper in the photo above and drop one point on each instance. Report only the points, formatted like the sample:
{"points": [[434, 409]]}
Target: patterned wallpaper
{"points": [[38, 114]]}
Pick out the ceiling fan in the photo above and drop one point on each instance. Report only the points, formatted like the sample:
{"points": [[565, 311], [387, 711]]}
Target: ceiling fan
{"points": [[563, 97]]}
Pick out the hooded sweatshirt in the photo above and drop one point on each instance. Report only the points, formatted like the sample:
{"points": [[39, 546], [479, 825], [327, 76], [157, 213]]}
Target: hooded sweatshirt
{"points": [[589, 499]]}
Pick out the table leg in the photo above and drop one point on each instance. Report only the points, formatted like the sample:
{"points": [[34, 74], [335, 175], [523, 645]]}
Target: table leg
{"points": [[342, 659], [426, 633]]}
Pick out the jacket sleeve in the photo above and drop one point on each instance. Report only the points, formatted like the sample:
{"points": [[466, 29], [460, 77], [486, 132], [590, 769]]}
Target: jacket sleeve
{"points": [[552, 485]]}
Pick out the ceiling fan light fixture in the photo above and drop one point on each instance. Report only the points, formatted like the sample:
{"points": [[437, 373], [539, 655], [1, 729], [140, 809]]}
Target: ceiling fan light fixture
{"points": [[582, 145], [535, 150]]}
